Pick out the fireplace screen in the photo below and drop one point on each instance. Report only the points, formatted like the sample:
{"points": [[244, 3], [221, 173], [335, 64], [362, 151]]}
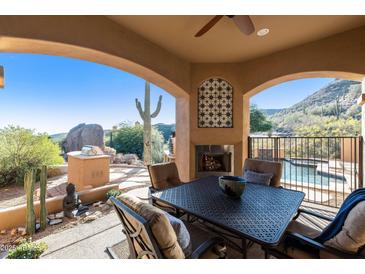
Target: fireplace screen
{"points": [[215, 162]]}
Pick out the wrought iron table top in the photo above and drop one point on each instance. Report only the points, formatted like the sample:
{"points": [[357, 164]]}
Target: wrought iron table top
{"points": [[262, 214]]}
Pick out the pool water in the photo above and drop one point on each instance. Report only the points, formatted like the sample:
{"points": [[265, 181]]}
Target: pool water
{"points": [[307, 174]]}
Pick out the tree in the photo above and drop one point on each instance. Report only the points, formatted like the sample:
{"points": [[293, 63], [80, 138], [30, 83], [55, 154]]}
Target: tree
{"points": [[258, 120], [129, 139], [22, 150], [146, 117]]}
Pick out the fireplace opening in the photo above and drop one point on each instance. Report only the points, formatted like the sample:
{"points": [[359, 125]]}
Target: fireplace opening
{"points": [[214, 160]]}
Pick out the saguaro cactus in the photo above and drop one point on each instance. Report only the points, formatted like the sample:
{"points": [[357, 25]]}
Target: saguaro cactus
{"points": [[338, 107], [43, 191], [29, 182], [146, 117]]}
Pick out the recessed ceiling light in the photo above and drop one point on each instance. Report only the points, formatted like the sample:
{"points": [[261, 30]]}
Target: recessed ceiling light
{"points": [[263, 32]]}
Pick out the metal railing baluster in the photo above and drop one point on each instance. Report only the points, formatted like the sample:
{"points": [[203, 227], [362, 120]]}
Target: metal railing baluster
{"points": [[303, 157]]}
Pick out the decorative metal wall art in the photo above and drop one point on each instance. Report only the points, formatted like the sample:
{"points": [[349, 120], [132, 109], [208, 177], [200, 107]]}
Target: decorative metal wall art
{"points": [[215, 104]]}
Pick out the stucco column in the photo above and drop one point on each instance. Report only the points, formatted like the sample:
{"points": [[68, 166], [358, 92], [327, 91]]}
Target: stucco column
{"points": [[245, 127], [361, 102], [183, 137], [1, 77]]}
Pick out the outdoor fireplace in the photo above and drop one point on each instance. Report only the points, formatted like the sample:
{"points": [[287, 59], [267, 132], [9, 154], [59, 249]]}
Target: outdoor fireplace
{"points": [[214, 160]]}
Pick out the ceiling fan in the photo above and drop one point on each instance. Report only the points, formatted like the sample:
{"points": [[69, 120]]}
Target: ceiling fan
{"points": [[243, 23]]}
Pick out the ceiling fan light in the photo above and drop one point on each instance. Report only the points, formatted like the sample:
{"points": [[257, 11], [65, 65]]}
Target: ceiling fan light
{"points": [[263, 32]]}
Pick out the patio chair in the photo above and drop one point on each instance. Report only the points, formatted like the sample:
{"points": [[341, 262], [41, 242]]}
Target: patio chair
{"points": [[150, 234], [303, 242], [164, 176], [268, 167]]}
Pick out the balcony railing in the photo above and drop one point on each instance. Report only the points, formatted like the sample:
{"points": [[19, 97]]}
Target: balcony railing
{"points": [[327, 169]]}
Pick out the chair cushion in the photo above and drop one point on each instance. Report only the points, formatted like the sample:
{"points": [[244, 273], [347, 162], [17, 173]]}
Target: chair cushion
{"points": [[297, 226], [295, 250], [275, 168], [164, 175], [352, 235], [257, 177], [161, 228], [182, 234]]}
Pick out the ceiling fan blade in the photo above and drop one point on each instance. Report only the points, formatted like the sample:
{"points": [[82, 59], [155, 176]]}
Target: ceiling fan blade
{"points": [[209, 25], [244, 23]]}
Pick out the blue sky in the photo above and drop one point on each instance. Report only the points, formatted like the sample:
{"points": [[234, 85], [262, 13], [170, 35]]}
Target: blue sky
{"points": [[288, 93], [52, 94]]}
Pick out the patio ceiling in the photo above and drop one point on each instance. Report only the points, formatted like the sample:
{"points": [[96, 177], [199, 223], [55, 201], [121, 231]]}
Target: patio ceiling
{"points": [[225, 43]]}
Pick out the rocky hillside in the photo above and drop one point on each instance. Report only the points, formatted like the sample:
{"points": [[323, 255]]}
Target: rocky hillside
{"points": [[337, 99]]}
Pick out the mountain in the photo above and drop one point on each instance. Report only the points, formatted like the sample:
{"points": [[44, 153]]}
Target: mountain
{"points": [[271, 111], [338, 100]]}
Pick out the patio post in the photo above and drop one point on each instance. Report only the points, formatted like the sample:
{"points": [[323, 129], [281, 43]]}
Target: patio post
{"points": [[246, 127], [183, 137], [361, 102], [1, 77]]}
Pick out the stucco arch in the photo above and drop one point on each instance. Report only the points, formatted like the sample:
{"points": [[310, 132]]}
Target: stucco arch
{"points": [[100, 40], [282, 79], [303, 75], [96, 39]]}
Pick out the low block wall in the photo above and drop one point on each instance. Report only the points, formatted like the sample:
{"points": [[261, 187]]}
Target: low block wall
{"points": [[15, 216]]}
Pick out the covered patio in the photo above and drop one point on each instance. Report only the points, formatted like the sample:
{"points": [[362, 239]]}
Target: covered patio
{"points": [[212, 78], [104, 239], [173, 59]]}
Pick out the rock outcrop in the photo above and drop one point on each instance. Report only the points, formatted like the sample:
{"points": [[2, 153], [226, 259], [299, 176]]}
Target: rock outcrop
{"points": [[82, 135]]}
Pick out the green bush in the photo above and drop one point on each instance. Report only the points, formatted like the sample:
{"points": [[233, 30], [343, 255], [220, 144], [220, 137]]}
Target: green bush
{"points": [[113, 193], [28, 250], [329, 126], [129, 140], [259, 121], [21, 150]]}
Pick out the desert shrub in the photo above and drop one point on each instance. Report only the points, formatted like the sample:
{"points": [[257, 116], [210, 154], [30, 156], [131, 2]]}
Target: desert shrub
{"points": [[21, 150], [329, 126], [129, 140], [27, 250], [113, 193], [157, 146]]}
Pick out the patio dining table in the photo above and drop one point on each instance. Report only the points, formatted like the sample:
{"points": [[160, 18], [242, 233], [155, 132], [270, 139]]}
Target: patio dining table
{"points": [[261, 215]]}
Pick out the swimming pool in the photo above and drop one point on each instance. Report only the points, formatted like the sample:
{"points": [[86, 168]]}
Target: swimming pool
{"points": [[307, 174]]}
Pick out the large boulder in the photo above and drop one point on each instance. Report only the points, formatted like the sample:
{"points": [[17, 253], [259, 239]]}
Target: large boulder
{"points": [[82, 135]]}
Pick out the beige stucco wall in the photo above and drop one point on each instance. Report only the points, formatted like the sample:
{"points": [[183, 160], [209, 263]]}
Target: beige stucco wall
{"points": [[98, 39], [15, 216], [207, 136], [88, 172], [340, 56]]}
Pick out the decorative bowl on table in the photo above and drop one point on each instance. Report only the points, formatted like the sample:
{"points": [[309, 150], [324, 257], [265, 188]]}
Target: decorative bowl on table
{"points": [[232, 186]]}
